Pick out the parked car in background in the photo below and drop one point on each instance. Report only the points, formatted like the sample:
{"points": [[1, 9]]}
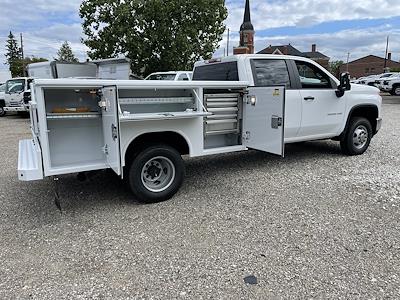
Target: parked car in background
{"points": [[172, 76], [373, 79], [385, 87], [2, 102], [391, 85], [358, 80]]}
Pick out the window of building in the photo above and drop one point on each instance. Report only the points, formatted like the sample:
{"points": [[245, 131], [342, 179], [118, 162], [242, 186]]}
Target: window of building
{"points": [[270, 72]]}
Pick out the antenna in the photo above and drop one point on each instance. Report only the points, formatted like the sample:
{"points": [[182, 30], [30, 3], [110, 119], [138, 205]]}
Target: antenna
{"points": [[386, 54], [22, 56]]}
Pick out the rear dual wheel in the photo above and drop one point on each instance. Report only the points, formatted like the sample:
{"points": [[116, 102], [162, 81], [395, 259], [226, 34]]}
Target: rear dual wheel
{"points": [[156, 173]]}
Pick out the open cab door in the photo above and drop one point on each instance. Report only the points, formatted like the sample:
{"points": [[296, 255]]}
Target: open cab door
{"points": [[263, 119], [111, 128]]}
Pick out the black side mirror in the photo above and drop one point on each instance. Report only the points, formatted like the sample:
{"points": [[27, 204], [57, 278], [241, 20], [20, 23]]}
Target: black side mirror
{"points": [[344, 85]]}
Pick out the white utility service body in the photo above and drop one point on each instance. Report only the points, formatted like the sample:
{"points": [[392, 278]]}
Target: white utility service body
{"points": [[140, 129]]}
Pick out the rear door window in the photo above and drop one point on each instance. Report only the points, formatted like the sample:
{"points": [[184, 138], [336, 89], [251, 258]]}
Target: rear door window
{"points": [[270, 72], [217, 72]]}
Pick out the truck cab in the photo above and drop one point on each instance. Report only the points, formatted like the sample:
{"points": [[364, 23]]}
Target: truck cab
{"points": [[314, 109], [17, 95]]}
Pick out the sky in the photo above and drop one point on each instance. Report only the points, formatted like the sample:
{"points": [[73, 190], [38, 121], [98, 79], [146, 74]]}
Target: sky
{"points": [[337, 27]]}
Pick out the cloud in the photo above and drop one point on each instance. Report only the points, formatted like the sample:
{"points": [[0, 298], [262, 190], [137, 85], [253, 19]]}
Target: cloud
{"points": [[275, 14], [357, 42], [47, 23]]}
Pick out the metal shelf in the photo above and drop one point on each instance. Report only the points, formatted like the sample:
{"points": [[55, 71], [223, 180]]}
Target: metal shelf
{"points": [[165, 100], [88, 115]]}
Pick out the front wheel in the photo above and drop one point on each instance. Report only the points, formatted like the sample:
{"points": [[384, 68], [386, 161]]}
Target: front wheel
{"points": [[156, 174], [396, 90], [2, 112], [357, 137]]}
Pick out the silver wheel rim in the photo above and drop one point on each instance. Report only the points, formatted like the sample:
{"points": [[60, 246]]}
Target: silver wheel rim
{"points": [[158, 174], [360, 137], [397, 91]]}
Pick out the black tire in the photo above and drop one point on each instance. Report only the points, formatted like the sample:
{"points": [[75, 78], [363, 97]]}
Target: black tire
{"points": [[357, 137], [396, 90], [2, 112], [168, 162]]}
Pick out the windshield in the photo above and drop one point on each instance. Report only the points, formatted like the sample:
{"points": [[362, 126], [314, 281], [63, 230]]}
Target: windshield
{"points": [[2, 88], [170, 76], [15, 86], [387, 75]]}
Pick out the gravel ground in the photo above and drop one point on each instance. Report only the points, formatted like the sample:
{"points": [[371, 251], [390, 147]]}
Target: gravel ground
{"points": [[313, 225]]}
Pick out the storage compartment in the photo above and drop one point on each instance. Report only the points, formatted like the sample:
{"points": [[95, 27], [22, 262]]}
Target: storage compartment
{"points": [[223, 127], [156, 101], [74, 125], [75, 142]]}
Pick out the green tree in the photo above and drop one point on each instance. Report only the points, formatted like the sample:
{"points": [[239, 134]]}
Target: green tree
{"points": [[157, 35], [334, 67], [13, 56], [65, 53], [34, 59]]}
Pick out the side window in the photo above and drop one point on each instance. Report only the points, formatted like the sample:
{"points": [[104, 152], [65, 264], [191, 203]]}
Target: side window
{"points": [[183, 77], [270, 72], [312, 77]]}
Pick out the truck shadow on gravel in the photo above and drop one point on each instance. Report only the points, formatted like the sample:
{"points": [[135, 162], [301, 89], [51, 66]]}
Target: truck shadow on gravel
{"points": [[105, 190]]}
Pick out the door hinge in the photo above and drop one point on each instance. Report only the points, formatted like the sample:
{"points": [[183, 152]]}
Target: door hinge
{"points": [[276, 122], [105, 149]]}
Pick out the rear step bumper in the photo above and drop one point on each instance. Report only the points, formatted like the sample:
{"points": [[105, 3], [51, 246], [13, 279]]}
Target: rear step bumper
{"points": [[29, 161]]}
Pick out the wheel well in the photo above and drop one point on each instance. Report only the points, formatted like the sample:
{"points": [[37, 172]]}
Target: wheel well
{"points": [[170, 138], [370, 112]]}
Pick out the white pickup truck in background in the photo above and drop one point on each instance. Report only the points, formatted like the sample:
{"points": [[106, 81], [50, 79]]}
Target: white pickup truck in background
{"points": [[140, 129], [171, 76], [391, 85]]}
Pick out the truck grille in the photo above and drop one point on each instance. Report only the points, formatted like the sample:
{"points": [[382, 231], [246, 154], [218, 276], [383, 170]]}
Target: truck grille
{"points": [[14, 104]]}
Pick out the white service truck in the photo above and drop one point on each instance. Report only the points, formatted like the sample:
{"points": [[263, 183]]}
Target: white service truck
{"points": [[140, 129], [17, 95]]}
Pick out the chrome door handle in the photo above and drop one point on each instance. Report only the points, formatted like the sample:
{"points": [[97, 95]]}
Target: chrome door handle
{"points": [[309, 98]]}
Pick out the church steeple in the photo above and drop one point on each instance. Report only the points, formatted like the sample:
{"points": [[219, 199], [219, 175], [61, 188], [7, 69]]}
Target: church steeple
{"points": [[246, 45], [247, 19]]}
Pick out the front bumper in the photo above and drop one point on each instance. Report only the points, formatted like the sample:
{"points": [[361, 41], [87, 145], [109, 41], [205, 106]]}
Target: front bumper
{"points": [[16, 108], [29, 161]]}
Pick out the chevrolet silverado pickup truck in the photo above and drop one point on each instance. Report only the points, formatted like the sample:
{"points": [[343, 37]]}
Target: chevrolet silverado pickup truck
{"points": [[141, 129]]}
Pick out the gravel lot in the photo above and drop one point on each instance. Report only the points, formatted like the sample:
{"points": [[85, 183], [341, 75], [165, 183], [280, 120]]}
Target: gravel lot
{"points": [[313, 225]]}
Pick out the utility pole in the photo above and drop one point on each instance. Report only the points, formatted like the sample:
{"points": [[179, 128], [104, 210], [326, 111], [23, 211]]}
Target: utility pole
{"points": [[227, 44], [386, 54], [347, 64], [22, 56]]}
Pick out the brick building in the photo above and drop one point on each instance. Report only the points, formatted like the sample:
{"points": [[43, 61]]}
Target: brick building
{"points": [[369, 65], [315, 55]]}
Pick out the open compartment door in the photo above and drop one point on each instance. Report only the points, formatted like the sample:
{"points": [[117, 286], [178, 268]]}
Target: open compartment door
{"points": [[263, 119], [111, 128]]}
